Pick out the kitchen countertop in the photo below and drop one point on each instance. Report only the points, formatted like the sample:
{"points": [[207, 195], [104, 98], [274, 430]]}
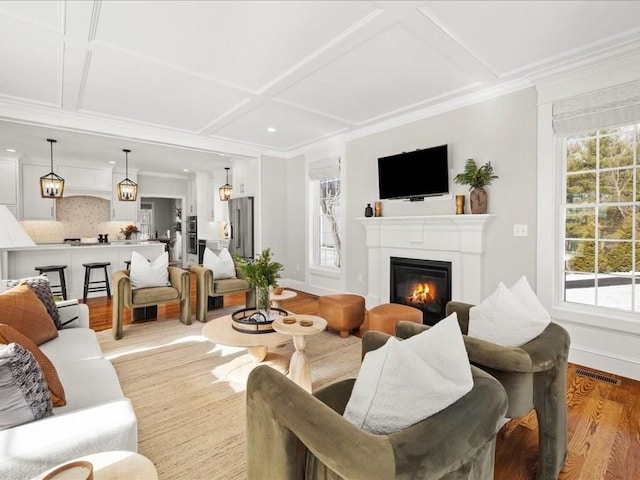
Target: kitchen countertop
{"points": [[62, 245]]}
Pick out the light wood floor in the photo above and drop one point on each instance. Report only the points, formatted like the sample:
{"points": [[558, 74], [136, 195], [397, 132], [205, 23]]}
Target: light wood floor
{"points": [[603, 419]]}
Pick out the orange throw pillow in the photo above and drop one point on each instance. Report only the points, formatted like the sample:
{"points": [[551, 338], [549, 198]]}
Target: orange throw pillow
{"points": [[21, 308], [11, 335]]}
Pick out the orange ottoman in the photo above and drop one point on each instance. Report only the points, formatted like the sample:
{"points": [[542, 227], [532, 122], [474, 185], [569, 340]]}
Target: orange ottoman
{"points": [[385, 317], [343, 312]]}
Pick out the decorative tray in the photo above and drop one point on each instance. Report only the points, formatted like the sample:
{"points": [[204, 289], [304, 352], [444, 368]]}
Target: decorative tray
{"points": [[250, 320]]}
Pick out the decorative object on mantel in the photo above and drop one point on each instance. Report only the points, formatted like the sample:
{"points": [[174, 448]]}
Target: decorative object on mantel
{"points": [[477, 179], [128, 231], [127, 189], [51, 185], [261, 274], [377, 209], [368, 211], [459, 204], [226, 190]]}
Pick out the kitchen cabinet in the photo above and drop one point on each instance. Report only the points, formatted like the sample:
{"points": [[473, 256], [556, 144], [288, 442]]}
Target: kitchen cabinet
{"points": [[34, 207], [8, 182], [123, 211], [204, 197], [245, 178], [191, 195], [84, 178]]}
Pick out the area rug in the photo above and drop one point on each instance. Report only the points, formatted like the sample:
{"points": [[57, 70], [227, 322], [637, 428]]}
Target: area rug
{"points": [[191, 420]]}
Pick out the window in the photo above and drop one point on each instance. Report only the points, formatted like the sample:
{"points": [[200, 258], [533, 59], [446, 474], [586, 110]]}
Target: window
{"points": [[602, 219], [327, 243]]}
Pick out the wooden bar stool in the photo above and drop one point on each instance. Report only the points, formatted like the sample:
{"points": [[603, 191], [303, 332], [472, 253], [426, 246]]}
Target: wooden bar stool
{"points": [[61, 288], [96, 285]]}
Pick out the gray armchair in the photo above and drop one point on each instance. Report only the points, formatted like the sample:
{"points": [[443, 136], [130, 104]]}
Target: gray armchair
{"points": [[292, 434], [534, 377], [126, 297]]}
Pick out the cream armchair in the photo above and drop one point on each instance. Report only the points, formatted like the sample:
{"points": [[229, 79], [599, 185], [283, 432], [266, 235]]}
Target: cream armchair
{"points": [[126, 297], [534, 376], [207, 286]]}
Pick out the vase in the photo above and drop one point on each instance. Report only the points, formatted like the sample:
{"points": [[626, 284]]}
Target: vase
{"points": [[263, 303], [478, 200], [127, 236], [368, 211]]}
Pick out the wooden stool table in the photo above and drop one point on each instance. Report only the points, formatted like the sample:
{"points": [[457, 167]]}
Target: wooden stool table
{"points": [[300, 368], [276, 298]]}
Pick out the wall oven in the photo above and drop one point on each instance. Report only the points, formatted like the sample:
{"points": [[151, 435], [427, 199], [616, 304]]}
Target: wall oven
{"points": [[192, 235]]}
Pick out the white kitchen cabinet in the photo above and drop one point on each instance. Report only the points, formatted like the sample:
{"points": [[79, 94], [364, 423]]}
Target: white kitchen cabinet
{"points": [[84, 178], [245, 178], [204, 197], [192, 204], [34, 207], [123, 211], [8, 182]]}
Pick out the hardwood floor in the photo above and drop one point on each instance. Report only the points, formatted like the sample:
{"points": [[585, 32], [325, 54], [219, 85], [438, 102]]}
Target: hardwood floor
{"points": [[603, 418]]}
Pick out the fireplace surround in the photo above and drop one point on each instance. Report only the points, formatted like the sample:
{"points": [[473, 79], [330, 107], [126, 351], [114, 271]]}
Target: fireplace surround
{"points": [[458, 239]]}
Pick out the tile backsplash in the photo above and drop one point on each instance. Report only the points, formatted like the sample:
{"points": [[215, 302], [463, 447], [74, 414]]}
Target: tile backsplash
{"points": [[76, 217]]}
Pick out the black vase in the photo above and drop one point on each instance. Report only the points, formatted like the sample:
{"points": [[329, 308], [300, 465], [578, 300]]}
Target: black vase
{"points": [[368, 211]]}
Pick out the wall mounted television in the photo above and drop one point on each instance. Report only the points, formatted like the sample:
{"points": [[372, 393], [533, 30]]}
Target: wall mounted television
{"points": [[414, 175]]}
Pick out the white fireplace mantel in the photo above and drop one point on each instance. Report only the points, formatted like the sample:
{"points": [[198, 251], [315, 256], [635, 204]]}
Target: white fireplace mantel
{"points": [[450, 238]]}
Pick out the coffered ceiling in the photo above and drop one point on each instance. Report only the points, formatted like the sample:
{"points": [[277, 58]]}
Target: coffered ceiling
{"points": [[193, 84]]}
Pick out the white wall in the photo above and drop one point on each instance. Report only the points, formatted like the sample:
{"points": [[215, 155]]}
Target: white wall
{"points": [[296, 213], [501, 130], [274, 209]]}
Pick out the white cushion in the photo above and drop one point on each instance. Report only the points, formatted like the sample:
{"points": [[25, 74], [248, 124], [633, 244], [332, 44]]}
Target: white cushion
{"points": [[404, 382], [222, 265], [146, 274], [525, 294], [503, 319]]}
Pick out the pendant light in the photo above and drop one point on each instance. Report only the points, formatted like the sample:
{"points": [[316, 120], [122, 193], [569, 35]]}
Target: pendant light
{"points": [[127, 189], [226, 190], [51, 185]]}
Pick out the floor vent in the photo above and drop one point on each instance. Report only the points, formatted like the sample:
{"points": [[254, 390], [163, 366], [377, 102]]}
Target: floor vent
{"points": [[597, 376]]}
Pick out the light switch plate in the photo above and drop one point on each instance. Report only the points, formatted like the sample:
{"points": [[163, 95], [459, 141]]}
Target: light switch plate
{"points": [[520, 230]]}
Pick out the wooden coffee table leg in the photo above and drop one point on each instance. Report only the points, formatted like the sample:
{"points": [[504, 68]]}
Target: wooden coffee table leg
{"points": [[257, 354], [300, 367]]}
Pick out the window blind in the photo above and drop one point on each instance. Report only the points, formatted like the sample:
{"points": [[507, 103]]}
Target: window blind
{"points": [[607, 108], [324, 169]]}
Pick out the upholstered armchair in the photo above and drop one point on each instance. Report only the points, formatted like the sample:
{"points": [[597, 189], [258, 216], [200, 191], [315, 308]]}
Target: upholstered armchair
{"points": [[534, 377], [126, 297], [292, 434], [207, 286]]}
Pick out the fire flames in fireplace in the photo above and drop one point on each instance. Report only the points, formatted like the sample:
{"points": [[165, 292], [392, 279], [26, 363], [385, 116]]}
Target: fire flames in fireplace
{"points": [[423, 293]]}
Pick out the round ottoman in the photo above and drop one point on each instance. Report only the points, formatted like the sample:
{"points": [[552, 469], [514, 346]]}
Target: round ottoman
{"points": [[343, 312], [385, 317]]}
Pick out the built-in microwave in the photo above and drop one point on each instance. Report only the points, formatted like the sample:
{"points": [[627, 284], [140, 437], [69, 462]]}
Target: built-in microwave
{"points": [[192, 225]]}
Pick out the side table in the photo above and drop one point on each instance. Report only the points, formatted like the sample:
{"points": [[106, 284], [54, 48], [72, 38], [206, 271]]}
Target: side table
{"points": [[115, 465], [277, 298], [300, 368]]}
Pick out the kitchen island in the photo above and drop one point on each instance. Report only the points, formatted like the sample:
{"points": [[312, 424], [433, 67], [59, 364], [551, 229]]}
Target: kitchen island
{"points": [[21, 262]]}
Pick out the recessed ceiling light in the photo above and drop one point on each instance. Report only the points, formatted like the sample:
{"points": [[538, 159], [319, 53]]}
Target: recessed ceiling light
{"points": [[271, 129], [185, 170], [112, 162], [11, 150]]}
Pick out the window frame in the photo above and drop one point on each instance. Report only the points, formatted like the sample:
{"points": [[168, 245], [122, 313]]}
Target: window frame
{"points": [[315, 241]]}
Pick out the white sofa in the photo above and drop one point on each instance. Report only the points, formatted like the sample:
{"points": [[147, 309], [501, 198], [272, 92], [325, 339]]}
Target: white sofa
{"points": [[96, 418]]}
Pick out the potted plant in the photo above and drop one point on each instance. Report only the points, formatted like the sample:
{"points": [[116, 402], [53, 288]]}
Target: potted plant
{"points": [[477, 178], [261, 273]]}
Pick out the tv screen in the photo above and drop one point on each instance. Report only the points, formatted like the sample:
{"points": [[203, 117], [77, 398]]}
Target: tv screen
{"points": [[414, 175]]}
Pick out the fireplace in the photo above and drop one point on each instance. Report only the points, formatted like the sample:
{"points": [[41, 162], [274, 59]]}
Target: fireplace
{"points": [[423, 284]]}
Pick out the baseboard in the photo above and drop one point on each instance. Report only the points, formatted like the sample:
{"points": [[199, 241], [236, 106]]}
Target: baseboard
{"points": [[605, 361]]}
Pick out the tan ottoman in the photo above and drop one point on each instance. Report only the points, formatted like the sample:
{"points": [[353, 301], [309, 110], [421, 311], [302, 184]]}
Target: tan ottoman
{"points": [[343, 312], [385, 317]]}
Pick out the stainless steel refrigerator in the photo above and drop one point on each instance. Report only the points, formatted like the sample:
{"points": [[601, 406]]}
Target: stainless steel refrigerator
{"points": [[241, 223]]}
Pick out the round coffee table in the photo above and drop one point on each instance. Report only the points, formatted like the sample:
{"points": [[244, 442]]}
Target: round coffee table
{"points": [[300, 368], [277, 298], [219, 330]]}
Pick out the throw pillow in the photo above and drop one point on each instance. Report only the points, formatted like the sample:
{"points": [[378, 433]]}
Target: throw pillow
{"points": [[428, 371], [222, 265], [23, 388], [145, 273], [527, 297], [21, 308], [42, 288], [56, 391], [503, 319]]}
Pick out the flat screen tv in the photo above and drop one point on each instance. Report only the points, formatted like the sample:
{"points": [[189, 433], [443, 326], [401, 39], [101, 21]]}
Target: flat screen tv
{"points": [[414, 175]]}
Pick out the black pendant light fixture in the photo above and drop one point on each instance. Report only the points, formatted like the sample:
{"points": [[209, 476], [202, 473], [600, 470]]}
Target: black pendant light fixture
{"points": [[127, 189], [51, 185], [226, 190]]}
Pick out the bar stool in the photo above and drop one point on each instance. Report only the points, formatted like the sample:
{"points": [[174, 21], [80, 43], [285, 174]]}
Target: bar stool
{"points": [[103, 285], [60, 289], [128, 264]]}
